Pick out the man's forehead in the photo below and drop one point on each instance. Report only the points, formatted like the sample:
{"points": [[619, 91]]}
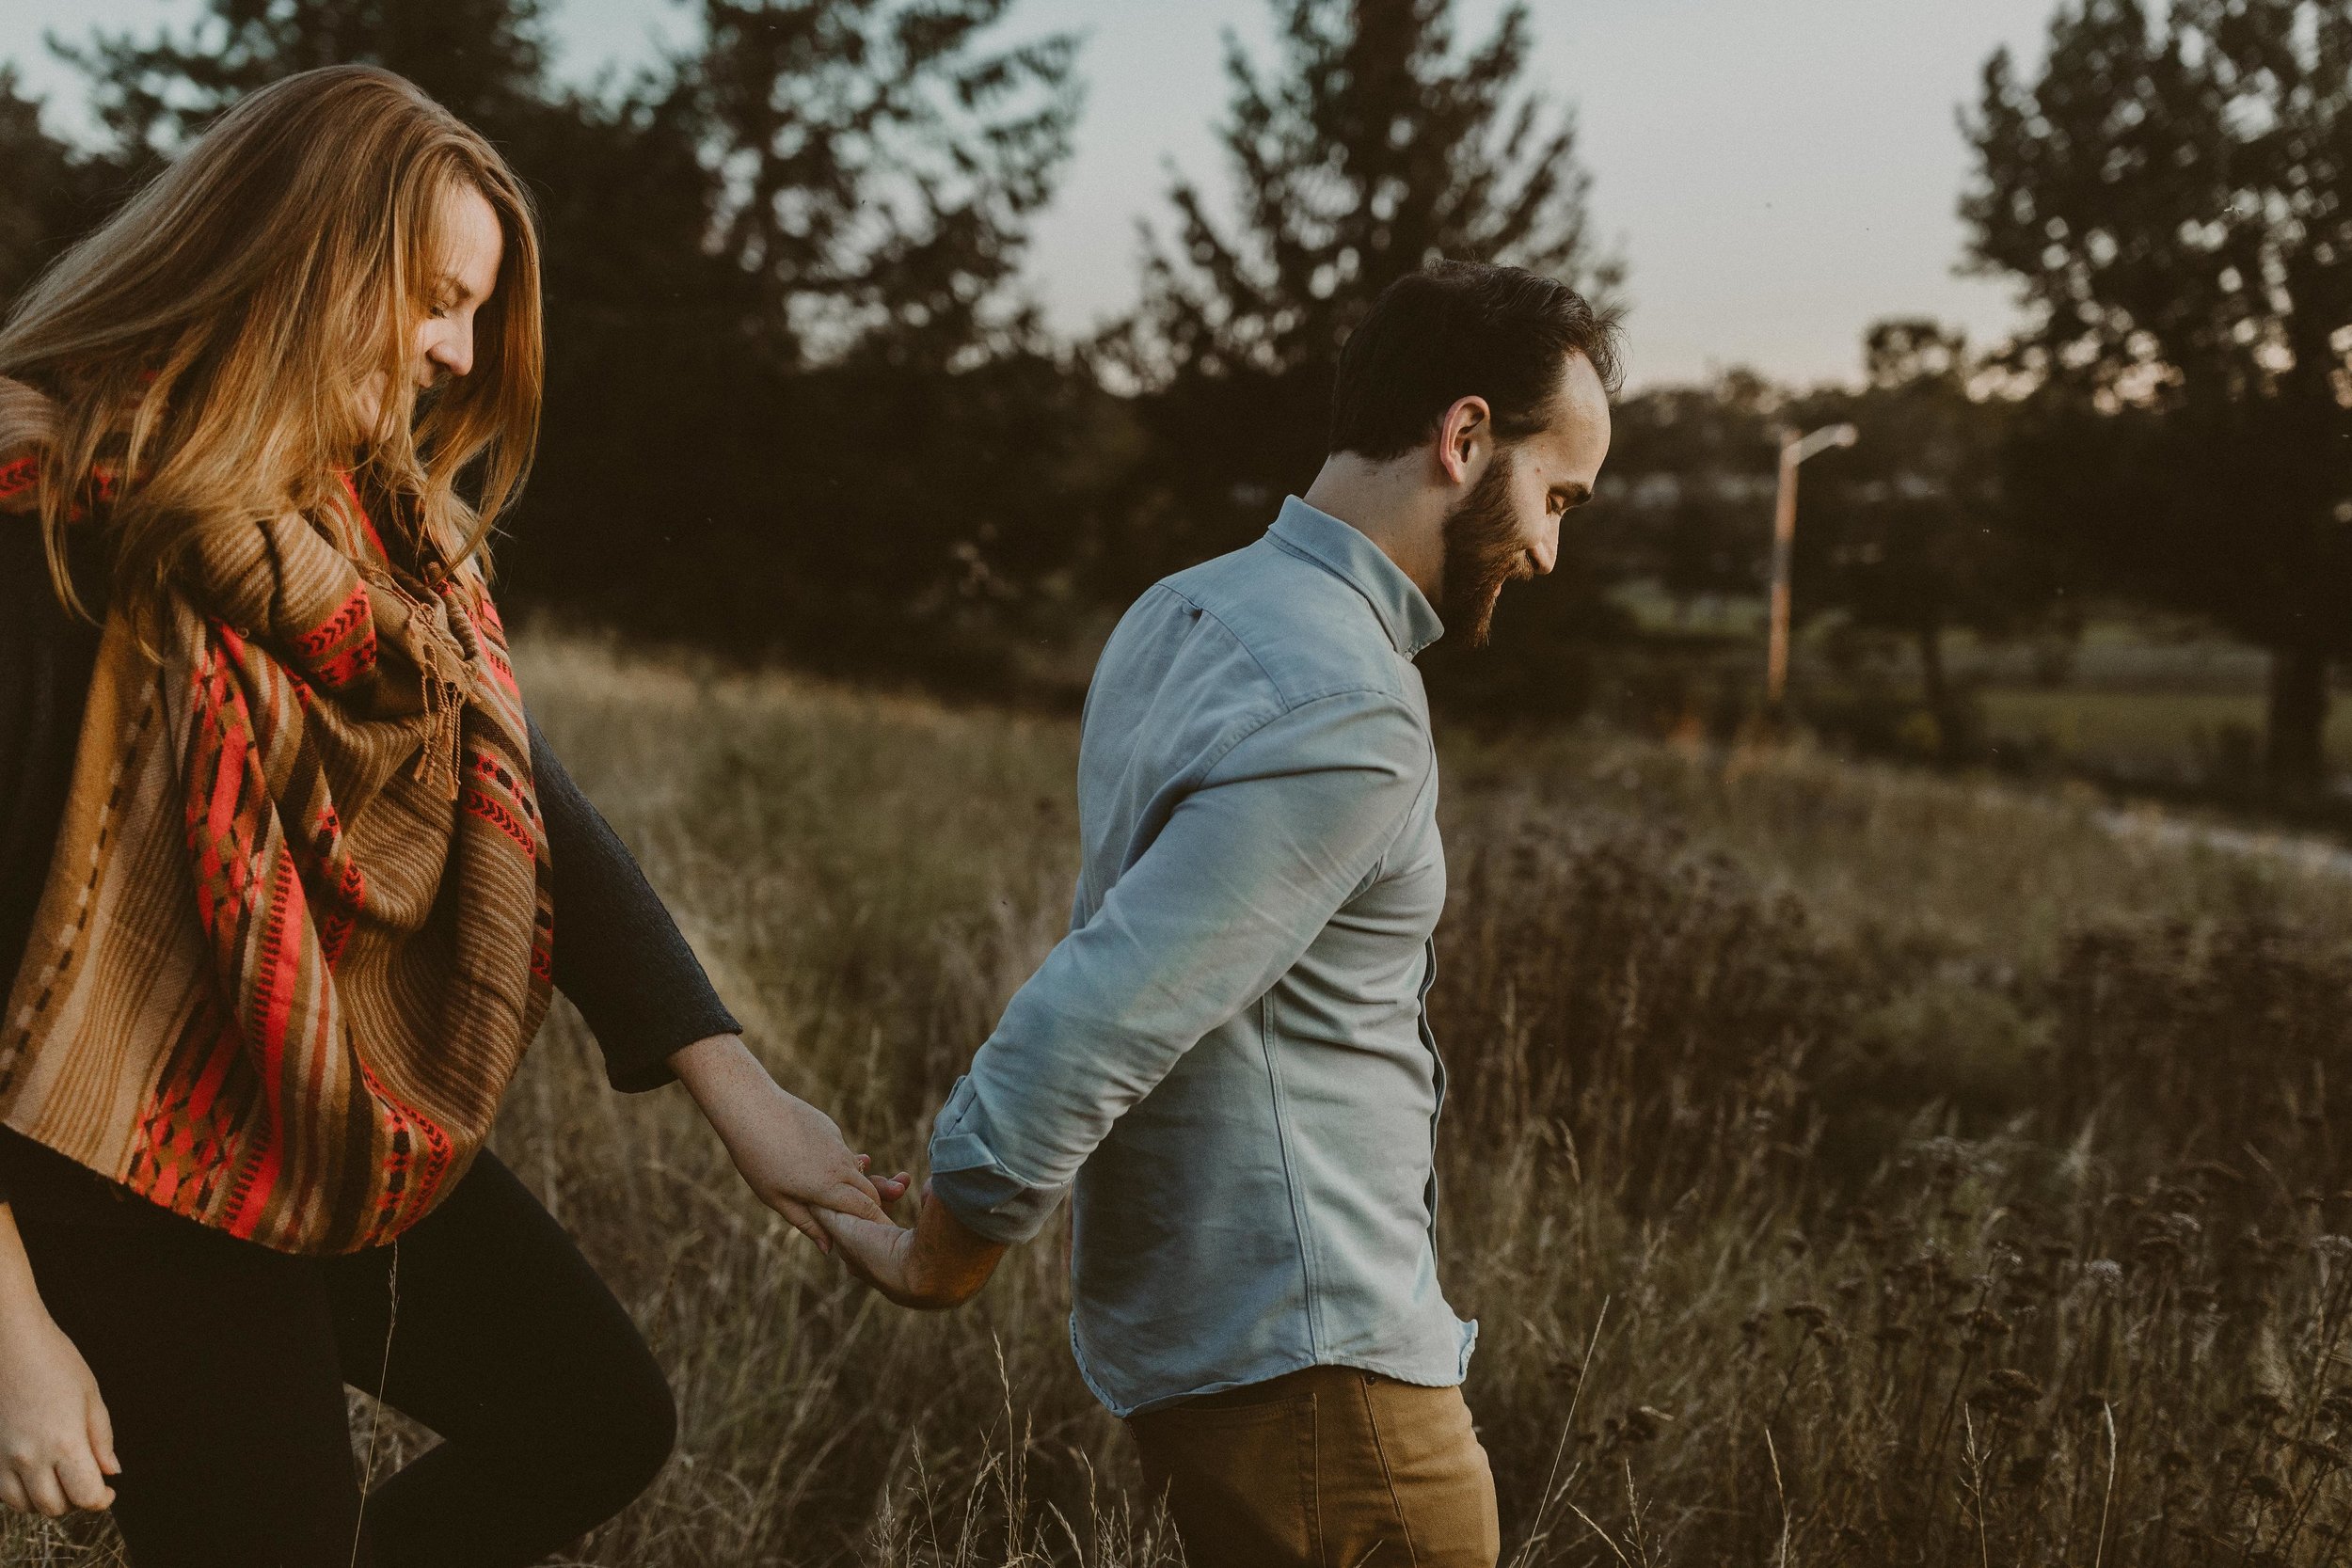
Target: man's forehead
{"points": [[1580, 385], [1577, 435]]}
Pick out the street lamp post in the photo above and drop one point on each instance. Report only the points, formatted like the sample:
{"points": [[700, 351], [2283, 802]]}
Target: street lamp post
{"points": [[1794, 450]]}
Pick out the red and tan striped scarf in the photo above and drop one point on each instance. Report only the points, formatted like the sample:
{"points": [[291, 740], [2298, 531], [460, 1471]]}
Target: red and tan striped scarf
{"points": [[296, 933]]}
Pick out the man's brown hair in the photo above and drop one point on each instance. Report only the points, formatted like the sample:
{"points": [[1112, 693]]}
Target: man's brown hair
{"points": [[1460, 329]]}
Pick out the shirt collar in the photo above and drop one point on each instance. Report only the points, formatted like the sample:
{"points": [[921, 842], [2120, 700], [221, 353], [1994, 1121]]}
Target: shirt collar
{"points": [[1355, 560]]}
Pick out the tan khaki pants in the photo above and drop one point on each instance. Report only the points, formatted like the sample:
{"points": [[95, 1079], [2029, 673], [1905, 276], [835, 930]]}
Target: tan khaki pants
{"points": [[1326, 1469]]}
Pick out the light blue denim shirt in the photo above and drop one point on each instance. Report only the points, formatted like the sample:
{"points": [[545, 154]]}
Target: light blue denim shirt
{"points": [[1228, 1055]]}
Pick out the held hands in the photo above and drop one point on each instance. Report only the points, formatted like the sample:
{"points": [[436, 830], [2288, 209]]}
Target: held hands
{"points": [[56, 1445], [793, 1157], [936, 1264], [789, 1153]]}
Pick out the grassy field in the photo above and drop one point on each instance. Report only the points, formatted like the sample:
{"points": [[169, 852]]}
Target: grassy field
{"points": [[1847, 1166], [2180, 738], [2145, 700]]}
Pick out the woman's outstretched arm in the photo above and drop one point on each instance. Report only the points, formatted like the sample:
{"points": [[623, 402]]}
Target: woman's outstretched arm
{"points": [[622, 960], [619, 956], [789, 1153]]}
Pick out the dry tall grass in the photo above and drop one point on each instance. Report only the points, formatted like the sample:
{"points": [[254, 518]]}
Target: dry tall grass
{"points": [[1847, 1166]]}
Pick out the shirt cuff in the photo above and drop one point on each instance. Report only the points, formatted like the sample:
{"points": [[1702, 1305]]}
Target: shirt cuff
{"points": [[985, 1197], [640, 1061]]}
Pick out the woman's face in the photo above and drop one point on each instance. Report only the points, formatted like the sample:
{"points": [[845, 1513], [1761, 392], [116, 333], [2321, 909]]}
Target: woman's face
{"points": [[442, 345]]}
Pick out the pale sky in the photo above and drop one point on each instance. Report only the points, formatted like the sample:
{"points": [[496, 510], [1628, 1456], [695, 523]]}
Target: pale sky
{"points": [[1779, 173]]}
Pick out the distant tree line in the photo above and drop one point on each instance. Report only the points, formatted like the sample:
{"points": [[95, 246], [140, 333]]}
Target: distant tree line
{"points": [[799, 405], [2173, 193]]}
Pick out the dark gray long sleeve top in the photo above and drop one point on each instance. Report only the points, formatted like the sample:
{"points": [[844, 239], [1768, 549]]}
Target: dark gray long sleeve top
{"points": [[618, 954]]}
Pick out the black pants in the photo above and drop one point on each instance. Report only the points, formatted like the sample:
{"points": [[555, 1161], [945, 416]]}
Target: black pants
{"points": [[223, 1365]]}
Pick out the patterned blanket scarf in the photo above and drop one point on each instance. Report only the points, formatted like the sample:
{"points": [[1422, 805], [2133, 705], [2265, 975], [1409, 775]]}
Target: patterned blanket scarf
{"points": [[296, 932]]}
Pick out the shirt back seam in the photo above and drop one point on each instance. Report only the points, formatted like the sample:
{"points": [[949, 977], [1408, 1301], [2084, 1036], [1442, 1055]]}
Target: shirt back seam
{"points": [[1309, 1265]]}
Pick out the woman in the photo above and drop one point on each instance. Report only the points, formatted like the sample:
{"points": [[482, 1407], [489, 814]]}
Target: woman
{"points": [[287, 877]]}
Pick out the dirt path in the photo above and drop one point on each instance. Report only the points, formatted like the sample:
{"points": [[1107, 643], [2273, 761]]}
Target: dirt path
{"points": [[2324, 857]]}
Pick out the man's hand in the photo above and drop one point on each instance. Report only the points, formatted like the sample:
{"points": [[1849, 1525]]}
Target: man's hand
{"points": [[56, 1447], [937, 1264], [789, 1153]]}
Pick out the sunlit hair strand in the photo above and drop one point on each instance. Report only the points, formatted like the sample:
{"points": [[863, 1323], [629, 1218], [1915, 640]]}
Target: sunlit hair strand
{"points": [[225, 319]]}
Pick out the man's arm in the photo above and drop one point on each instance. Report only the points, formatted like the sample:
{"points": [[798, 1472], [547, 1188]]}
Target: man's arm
{"points": [[1247, 872]]}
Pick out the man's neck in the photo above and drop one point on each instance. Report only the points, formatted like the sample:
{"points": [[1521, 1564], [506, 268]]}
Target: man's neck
{"points": [[1380, 501]]}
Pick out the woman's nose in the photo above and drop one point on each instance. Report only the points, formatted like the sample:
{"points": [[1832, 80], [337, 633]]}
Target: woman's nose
{"points": [[455, 353]]}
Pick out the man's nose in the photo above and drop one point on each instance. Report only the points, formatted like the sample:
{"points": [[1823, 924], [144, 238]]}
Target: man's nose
{"points": [[1544, 555]]}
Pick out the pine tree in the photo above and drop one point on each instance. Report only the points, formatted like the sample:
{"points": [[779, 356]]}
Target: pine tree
{"points": [[484, 59], [50, 192], [883, 163], [1371, 149]]}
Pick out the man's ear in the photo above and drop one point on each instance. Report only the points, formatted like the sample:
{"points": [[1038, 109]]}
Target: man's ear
{"points": [[1466, 429]]}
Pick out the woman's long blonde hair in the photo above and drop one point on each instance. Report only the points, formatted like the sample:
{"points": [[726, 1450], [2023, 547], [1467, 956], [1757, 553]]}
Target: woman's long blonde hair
{"points": [[226, 317]]}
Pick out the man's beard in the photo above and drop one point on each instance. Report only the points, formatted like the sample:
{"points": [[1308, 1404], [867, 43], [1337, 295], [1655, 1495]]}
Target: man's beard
{"points": [[1483, 551]]}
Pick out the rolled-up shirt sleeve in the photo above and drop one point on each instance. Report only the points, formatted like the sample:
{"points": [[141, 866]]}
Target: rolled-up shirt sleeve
{"points": [[1285, 829]]}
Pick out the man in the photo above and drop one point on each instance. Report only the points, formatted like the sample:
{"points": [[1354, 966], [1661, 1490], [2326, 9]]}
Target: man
{"points": [[1228, 1055]]}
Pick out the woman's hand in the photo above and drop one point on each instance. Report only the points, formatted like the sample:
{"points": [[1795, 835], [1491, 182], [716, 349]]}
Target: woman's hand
{"points": [[56, 1445], [789, 1153]]}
